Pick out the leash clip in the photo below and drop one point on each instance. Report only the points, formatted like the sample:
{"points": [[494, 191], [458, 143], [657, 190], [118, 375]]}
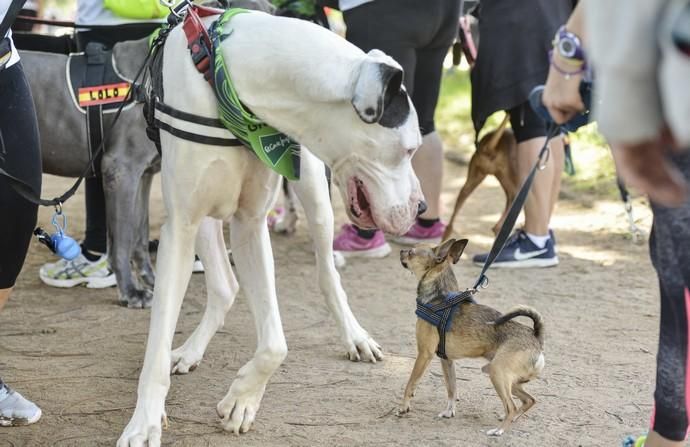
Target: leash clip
{"points": [[544, 157], [482, 283]]}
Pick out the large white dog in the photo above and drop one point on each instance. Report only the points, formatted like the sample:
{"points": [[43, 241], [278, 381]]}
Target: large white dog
{"points": [[349, 108]]}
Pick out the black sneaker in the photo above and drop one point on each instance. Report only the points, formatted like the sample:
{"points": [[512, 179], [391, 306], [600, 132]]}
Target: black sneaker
{"points": [[521, 252]]}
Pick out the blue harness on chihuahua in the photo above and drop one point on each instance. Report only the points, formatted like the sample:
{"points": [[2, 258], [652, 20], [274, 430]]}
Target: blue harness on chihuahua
{"points": [[441, 315]]}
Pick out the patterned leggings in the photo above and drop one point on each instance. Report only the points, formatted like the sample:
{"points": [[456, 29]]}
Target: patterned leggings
{"points": [[670, 252]]}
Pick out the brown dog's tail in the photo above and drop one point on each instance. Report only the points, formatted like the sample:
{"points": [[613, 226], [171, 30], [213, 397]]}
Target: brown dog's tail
{"points": [[525, 311]]}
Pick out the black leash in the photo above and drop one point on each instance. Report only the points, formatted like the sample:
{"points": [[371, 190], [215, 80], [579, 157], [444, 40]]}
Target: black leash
{"points": [[440, 314], [516, 207], [24, 190], [10, 16]]}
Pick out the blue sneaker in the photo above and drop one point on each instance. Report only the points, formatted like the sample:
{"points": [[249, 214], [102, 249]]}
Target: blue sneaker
{"points": [[521, 252]]}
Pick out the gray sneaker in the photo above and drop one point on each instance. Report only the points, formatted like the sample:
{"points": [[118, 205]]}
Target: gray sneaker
{"points": [[15, 409], [64, 273]]}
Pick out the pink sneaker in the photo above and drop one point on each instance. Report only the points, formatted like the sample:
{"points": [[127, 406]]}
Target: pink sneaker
{"points": [[350, 244], [418, 234]]}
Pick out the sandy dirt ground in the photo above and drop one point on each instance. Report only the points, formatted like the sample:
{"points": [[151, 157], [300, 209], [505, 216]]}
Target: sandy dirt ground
{"points": [[78, 354]]}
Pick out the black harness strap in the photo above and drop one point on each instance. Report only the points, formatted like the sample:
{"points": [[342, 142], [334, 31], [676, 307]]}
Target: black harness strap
{"points": [[95, 71], [179, 114], [440, 315], [214, 141]]}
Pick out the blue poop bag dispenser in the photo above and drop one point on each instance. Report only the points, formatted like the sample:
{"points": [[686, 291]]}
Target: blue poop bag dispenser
{"points": [[58, 242]]}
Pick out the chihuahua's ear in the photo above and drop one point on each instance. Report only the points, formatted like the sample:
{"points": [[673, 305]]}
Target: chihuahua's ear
{"points": [[456, 250], [443, 250]]}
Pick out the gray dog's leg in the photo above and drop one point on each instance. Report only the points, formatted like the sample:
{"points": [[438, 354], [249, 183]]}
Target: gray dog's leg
{"points": [[121, 182], [142, 258]]}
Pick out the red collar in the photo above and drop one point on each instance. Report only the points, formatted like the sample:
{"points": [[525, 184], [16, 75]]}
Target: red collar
{"points": [[198, 40]]}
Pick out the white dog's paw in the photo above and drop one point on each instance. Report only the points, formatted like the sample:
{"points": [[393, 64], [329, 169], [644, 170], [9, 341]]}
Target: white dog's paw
{"points": [[237, 412], [363, 348], [495, 432], [144, 429], [447, 413], [184, 360]]}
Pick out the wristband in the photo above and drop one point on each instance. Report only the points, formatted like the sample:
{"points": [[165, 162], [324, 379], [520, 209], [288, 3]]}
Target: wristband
{"points": [[568, 45], [567, 74]]}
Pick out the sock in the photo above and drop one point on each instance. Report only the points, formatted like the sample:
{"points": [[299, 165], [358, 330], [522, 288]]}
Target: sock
{"points": [[366, 234], [427, 223], [539, 241], [90, 255]]}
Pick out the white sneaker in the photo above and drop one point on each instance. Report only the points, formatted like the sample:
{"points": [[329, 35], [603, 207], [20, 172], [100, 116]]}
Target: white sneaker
{"points": [[15, 409], [198, 266], [64, 273]]}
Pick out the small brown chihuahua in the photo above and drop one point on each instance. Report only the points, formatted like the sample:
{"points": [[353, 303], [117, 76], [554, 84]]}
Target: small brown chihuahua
{"points": [[514, 351]]}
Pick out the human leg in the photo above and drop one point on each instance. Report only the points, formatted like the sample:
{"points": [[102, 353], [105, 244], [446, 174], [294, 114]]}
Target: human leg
{"points": [[534, 245], [670, 252], [21, 158]]}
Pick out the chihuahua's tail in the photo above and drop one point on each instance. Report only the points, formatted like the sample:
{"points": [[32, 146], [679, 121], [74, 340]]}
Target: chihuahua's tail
{"points": [[525, 311]]}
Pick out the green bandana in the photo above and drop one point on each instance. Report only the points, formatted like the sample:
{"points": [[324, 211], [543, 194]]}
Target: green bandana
{"points": [[273, 147]]}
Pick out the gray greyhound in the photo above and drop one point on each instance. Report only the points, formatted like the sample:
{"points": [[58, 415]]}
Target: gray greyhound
{"points": [[128, 165]]}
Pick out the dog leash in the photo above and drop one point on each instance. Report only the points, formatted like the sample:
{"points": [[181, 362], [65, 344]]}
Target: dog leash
{"points": [[441, 315], [515, 208], [24, 190]]}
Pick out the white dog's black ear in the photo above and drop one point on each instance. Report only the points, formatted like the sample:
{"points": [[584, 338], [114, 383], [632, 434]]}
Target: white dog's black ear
{"points": [[379, 83]]}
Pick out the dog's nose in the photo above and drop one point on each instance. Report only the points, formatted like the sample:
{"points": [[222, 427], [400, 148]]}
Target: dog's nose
{"points": [[421, 208]]}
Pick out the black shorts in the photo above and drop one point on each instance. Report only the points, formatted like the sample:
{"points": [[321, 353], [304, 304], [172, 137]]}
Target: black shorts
{"points": [[415, 33], [526, 123], [20, 156]]}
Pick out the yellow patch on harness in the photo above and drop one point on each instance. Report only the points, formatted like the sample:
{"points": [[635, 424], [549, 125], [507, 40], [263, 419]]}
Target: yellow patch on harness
{"points": [[103, 94]]}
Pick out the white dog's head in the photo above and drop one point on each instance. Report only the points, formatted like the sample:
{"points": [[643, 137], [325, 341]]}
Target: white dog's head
{"points": [[348, 107], [376, 139]]}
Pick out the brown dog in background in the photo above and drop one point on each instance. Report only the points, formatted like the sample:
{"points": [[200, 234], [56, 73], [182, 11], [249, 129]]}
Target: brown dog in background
{"points": [[514, 351], [495, 155]]}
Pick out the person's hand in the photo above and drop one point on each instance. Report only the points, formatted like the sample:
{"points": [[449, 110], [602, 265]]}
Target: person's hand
{"points": [[562, 96], [644, 166]]}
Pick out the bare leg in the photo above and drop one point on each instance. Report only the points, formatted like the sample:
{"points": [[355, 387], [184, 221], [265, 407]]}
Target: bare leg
{"points": [[544, 193], [654, 439], [4, 296], [221, 287], [312, 191], [451, 387], [428, 165]]}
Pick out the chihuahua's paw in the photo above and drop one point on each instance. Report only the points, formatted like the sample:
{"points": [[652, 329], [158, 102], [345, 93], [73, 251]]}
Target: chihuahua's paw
{"points": [[447, 413], [495, 432], [403, 410]]}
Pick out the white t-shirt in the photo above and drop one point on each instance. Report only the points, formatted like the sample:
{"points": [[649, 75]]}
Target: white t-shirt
{"points": [[349, 4], [4, 6]]}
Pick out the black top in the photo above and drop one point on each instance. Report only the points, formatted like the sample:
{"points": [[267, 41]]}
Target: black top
{"points": [[512, 57]]}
